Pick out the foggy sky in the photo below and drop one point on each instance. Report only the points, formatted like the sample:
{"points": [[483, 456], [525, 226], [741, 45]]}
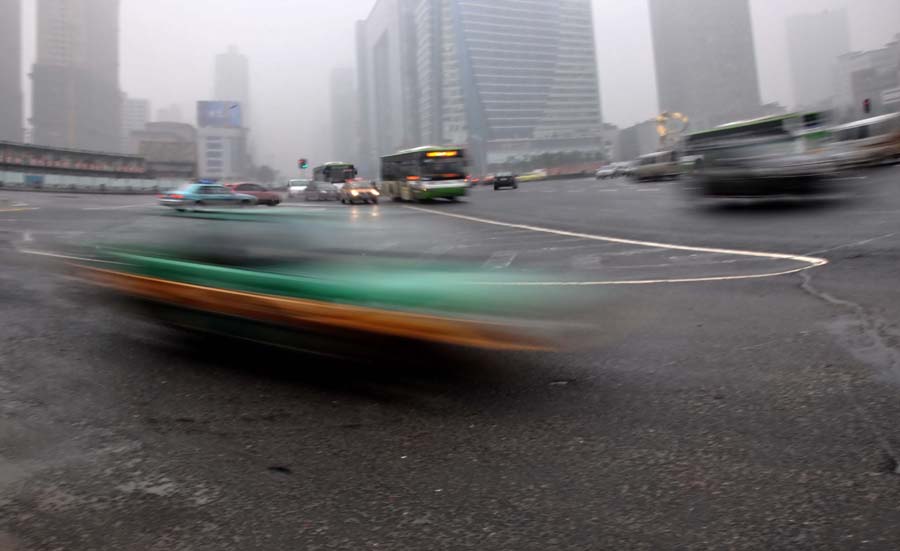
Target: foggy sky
{"points": [[168, 48]]}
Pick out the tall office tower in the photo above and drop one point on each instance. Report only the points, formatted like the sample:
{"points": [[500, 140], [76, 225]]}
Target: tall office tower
{"points": [[510, 79], [76, 97], [232, 80], [386, 80], [11, 71], [815, 42], [705, 60]]}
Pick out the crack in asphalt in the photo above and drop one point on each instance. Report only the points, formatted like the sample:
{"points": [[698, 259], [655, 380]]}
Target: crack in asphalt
{"points": [[871, 328]]}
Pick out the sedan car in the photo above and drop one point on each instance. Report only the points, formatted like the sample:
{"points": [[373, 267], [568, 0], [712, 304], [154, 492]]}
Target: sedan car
{"points": [[320, 191], [297, 187], [263, 195], [609, 171], [204, 195], [362, 192], [505, 179], [245, 276]]}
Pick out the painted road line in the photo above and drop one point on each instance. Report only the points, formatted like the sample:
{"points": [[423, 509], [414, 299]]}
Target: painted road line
{"points": [[855, 243], [64, 256], [500, 260], [808, 261], [19, 209]]}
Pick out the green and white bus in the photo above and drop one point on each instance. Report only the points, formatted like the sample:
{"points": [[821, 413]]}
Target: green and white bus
{"points": [[784, 154], [423, 173], [335, 172]]}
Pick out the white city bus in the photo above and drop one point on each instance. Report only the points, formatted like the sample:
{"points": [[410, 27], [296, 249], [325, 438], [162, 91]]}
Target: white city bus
{"points": [[424, 173]]}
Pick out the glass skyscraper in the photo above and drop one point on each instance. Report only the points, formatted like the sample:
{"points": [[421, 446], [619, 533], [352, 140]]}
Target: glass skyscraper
{"points": [[511, 79]]}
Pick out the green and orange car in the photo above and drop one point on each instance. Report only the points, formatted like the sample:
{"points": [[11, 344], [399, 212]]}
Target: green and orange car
{"points": [[283, 277]]}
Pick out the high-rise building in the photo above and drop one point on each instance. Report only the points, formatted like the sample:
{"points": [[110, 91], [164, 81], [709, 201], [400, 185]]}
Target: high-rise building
{"points": [[76, 96], [232, 80], [221, 141], [11, 70], [135, 116], [386, 77], [815, 41], [705, 60], [509, 79], [344, 119]]}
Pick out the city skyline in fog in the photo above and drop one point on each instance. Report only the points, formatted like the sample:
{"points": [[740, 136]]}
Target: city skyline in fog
{"points": [[293, 45]]}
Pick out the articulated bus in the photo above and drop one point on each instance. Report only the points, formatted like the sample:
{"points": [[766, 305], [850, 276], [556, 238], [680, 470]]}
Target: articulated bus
{"points": [[867, 142], [424, 173], [334, 173]]}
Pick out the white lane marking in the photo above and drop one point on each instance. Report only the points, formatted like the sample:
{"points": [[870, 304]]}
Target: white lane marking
{"points": [[121, 207], [587, 261], [809, 261], [855, 243], [851, 178], [633, 252], [64, 256], [500, 260]]}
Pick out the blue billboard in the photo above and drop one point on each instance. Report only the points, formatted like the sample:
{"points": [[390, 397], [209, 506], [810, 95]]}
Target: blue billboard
{"points": [[219, 114]]}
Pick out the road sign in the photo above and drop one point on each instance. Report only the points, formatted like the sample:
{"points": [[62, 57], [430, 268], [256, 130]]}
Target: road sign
{"points": [[890, 96]]}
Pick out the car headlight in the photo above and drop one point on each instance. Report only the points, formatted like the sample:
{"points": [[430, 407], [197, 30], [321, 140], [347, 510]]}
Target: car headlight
{"points": [[354, 193], [375, 193]]}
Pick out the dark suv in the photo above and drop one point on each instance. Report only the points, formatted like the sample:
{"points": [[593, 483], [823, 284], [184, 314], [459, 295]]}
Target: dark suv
{"points": [[505, 179]]}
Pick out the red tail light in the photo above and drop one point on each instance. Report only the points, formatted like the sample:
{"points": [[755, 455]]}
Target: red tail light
{"points": [[176, 196]]}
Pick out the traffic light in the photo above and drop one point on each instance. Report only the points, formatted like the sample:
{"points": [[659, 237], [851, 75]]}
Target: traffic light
{"points": [[303, 163], [867, 106]]}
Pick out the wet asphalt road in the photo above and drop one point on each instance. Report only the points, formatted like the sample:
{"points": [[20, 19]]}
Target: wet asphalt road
{"points": [[716, 406]]}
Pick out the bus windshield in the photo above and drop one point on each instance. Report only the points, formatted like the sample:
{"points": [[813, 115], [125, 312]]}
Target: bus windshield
{"points": [[443, 169], [335, 174]]}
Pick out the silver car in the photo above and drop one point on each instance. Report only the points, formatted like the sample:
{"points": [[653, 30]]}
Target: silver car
{"points": [[320, 191]]}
